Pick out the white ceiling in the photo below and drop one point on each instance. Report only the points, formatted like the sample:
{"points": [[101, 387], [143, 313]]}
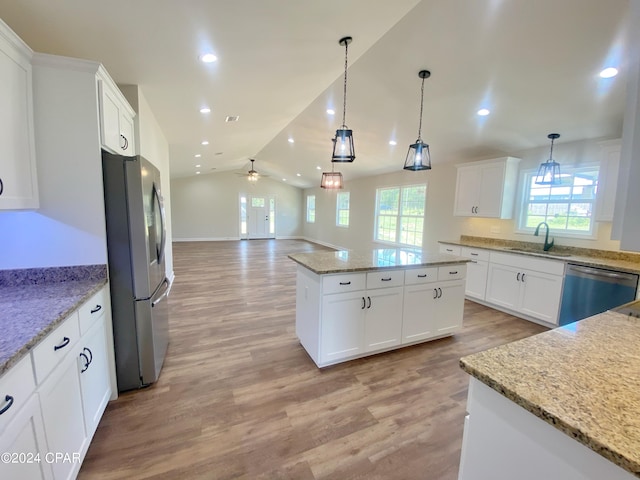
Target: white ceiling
{"points": [[534, 63]]}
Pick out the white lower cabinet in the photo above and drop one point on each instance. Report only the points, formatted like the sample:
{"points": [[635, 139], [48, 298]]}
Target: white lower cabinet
{"points": [[345, 316], [52, 400], [477, 271], [526, 286]]}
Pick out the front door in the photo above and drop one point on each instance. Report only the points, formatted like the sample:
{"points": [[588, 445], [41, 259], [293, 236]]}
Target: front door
{"points": [[258, 217]]}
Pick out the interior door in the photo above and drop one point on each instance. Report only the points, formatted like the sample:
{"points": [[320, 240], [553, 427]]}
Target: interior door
{"points": [[259, 217]]}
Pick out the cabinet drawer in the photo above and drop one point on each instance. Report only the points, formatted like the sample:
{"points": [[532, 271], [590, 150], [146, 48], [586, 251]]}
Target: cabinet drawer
{"points": [[55, 346], [15, 388], [450, 249], [452, 272], [93, 310], [343, 283], [416, 276], [475, 253], [385, 278]]}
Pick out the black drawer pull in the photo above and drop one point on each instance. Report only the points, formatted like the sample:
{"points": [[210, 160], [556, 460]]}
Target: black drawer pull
{"points": [[453, 273], [9, 400], [65, 342], [96, 309], [90, 354], [86, 363], [345, 283], [474, 254], [448, 250], [1, 187], [422, 276], [385, 279]]}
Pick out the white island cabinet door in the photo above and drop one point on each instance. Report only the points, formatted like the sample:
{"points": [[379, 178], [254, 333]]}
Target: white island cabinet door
{"points": [[383, 318], [450, 310], [503, 286], [342, 326], [419, 312], [540, 295]]}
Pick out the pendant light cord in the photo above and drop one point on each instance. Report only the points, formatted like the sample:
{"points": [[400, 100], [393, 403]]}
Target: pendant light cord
{"points": [[344, 103], [421, 108]]}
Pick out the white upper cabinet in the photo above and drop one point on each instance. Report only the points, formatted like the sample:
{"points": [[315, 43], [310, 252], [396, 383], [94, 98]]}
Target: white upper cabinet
{"points": [[486, 188], [607, 181], [18, 178], [116, 120]]}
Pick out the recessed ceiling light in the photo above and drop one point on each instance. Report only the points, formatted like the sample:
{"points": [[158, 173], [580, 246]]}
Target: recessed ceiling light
{"points": [[205, 110], [197, 155], [232, 118], [298, 175], [291, 140], [284, 179], [483, 112], [392, 142], [198, 166], [609, 72], [331, 111], [208, 58], [205, 142], [318, 168], [197, 173]]}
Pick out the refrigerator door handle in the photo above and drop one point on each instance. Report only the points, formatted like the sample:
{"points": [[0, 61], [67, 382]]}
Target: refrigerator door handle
{"points": [[163, 238], [167, 288]]}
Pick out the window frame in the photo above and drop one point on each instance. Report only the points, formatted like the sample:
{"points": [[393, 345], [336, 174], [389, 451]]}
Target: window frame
{"points": [[341, 210], [311, 212], [399, 216], [526, 177]]}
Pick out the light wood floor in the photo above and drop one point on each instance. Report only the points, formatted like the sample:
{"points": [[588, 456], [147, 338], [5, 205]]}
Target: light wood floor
{"points": [[239, 398]]}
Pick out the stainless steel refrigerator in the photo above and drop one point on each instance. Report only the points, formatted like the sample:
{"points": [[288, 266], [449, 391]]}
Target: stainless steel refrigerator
{"points": [[136, 239]]}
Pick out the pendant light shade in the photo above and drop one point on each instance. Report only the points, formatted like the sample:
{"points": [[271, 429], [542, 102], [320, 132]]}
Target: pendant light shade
{"points": [[343, 150], [418, 156], [331, 180], [549, 171]]}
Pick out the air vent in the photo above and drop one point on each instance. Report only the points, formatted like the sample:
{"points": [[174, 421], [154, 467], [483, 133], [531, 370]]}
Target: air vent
{"points": [[232, 118]]}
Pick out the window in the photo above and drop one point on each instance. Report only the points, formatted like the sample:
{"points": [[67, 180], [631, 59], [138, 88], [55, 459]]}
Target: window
{"points": [[400, 214], [243, 215], [567, 208], [311, 209], [342, 209]]}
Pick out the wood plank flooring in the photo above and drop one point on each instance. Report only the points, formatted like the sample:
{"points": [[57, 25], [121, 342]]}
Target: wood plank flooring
{"points": [[238, 397]]}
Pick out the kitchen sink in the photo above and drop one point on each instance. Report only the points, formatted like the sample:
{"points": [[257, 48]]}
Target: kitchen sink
{"points": [[539, 252]]}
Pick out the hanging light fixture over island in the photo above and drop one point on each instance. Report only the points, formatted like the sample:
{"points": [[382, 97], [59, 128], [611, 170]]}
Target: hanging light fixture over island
{"points": [[418, 156], [343, 150]]}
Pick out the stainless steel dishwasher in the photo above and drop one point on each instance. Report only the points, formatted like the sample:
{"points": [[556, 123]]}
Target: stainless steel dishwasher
{"points": [[588, 291]]}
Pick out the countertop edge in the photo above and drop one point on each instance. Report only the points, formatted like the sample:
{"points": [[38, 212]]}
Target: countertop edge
{"points": [[373, 268], [27, 347], [543, 414]]}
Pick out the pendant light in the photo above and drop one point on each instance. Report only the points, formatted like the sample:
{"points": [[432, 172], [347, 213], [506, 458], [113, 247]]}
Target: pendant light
{"points": [[549, 171], [331, 180], [418, 156], [343, 150]]}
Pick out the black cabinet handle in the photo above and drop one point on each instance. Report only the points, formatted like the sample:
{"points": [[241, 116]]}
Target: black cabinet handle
{"points": [[126, 142], [65, 342], [1, 187], [86, 363], [435, 293], [364, 303], [422, 276], [90, 354], [96, 309], [386, 279], [453, 273], [439, 292], [518, 277], [345, 283], [474, 254], [523, 277], [449, 249], [9, 400], [369, 298]]}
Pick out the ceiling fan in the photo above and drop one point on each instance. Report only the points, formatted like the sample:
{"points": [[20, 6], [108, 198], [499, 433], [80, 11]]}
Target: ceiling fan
{"points": [[252, 175]]}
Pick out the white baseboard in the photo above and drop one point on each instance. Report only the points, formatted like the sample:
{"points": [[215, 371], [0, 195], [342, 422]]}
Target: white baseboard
{"points": [[325, 244]]}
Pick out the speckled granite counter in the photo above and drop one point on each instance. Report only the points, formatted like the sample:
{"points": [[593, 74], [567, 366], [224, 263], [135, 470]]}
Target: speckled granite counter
{"points": [[34, 301], [619, 261], [343, 261], [584, 379]]}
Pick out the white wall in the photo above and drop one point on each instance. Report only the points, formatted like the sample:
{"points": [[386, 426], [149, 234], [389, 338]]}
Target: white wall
{"points": [[207, 207], [153, 145], [440, 224]]}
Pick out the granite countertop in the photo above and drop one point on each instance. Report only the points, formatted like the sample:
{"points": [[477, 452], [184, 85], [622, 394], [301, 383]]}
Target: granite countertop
{"points": [[343, 261], [583, 378], [619, 261], [34, 301]]}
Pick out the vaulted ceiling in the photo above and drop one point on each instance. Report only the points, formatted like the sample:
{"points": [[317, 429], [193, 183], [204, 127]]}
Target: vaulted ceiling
{"points": [[534, 64]]}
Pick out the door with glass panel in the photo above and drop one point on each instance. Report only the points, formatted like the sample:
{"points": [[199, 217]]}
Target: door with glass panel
{"points": [[259, 221]]}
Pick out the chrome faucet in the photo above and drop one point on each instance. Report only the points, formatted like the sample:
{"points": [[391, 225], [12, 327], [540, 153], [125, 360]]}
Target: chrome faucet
{"points": [[547, 244]]}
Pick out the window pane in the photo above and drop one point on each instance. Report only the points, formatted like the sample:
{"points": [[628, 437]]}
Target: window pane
{"points": [[400, 214], [257, 202], [387, 228], [342, 209], [389, 198], [311, 209], [413, 200]]}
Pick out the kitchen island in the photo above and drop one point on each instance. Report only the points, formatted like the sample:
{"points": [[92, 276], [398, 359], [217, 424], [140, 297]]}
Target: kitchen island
{"points": [[563, 404], [351, 304]]}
